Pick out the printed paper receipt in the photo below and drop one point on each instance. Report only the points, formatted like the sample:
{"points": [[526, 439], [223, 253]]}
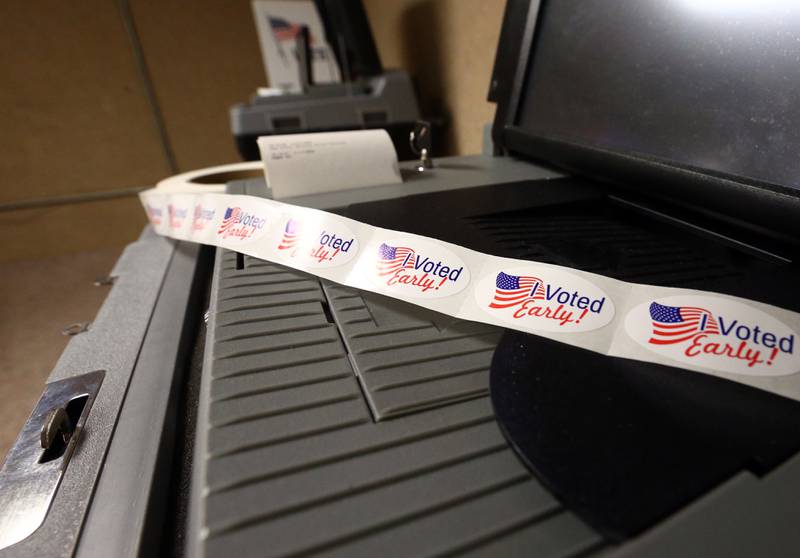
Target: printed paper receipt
{"points": [[302, 164]]}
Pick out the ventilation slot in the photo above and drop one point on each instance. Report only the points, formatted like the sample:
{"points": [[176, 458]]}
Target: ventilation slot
{"points": [[285, 123]]}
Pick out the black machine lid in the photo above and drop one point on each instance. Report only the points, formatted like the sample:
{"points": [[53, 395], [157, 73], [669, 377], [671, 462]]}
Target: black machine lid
{"points": [[691, 105], [692, 100], [624, 444]]}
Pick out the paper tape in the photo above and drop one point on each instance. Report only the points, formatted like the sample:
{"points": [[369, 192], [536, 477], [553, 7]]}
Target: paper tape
{"points": [[741, 340]]}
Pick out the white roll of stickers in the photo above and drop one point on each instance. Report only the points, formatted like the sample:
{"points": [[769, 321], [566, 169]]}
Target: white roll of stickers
{"points": [[741, 340]]}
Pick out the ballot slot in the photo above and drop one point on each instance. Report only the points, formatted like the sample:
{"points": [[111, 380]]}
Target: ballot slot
{"points": [[374, 117], [286, 123], [41, 454]]}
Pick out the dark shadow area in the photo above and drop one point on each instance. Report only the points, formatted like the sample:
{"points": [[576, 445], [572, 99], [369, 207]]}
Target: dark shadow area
{"points": [[421, 29]]}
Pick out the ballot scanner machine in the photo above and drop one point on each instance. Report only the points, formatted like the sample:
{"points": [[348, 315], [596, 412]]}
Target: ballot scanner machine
{"points": [[224, 405]]}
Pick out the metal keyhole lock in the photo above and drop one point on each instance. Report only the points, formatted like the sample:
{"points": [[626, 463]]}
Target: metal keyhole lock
{"points": [[420, 141], [56, 425], [38, 460]]}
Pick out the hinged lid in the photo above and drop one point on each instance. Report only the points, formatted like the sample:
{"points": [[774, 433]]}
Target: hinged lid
{"points": [[694, 101]]}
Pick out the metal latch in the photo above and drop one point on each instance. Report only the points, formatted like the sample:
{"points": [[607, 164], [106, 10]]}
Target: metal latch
{"points": [[37, 460], [421, 142]]}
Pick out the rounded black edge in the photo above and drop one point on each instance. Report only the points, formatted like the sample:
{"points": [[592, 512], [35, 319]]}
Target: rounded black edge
{"points": [[727, 198]]}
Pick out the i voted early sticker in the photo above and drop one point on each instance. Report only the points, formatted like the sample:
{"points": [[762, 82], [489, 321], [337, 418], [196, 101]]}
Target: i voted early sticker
{"points": [[242, 224], [417, 268], [202, 217], [694, 330], [313, 244], [154, 213], [716, 333], [544, 299], [177, 215]]}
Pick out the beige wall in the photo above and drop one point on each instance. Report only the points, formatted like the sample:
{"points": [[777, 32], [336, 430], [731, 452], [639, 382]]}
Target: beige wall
{"points": [[76, 119], [448, 46], [203, 57]]}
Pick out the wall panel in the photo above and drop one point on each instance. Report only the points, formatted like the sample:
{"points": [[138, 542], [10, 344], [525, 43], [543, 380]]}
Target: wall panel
{"points": [[203, 57], [74, 117], [448, 46]]}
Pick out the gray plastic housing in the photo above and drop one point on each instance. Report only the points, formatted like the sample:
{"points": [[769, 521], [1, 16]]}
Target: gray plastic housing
{"points": [[338, 422], [101, 504], [342, 423], [293, 461], [101, 507], [384, 99]]}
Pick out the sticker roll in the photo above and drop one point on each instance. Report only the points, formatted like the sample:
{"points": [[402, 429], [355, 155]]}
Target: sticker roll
{"points": [[740, 340]]}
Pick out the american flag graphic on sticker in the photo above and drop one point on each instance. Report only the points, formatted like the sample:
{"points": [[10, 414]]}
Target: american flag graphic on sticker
{"points": [[154, 213], [291, 235], [230, 219], [241, 225], [392, 258], [511, 290], [176, 216], [676, 324]]}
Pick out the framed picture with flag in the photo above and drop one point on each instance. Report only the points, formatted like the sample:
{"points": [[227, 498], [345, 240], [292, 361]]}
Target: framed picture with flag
{"points": [[278, 22]]}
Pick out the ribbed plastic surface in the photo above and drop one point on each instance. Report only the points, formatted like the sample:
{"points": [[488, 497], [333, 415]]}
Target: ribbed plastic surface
{"points": [[591, 238], [296, 463], [409, 358]]}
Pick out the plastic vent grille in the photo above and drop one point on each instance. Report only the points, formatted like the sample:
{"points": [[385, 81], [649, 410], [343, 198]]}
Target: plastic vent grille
{"points": [[295, 465], [596, 238]]}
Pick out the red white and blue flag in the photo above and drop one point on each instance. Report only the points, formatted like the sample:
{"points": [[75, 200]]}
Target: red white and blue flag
{"points": [[511, 290], [174, 219], [676, 324], [392, 258], [230, 219], [284, 30], [290, 236]]}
